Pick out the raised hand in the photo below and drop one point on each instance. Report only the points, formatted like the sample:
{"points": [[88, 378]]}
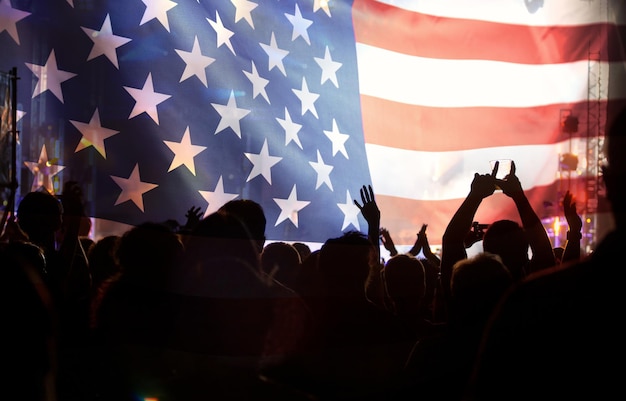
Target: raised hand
{"points": [[575, 225], [369, 209], [421, 236], [483, 185], [387, 241], [193, 215], [420, 241], [510, 185], [475, 234], [574, 221], [371, 213]]}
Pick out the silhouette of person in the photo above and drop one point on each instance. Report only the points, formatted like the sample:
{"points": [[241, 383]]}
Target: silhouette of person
{"points": [[439, 365], [252, 215], [281, 261], [506, 238], [29, 325], [558, 334]]}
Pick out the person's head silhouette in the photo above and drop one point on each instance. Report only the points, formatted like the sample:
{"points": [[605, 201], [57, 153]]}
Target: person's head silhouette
{"points": [[251, 214], [507, 239], [40, 215]]}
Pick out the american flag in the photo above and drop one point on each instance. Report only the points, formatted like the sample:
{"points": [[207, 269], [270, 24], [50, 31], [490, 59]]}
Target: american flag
{"points": [[155, 106]]}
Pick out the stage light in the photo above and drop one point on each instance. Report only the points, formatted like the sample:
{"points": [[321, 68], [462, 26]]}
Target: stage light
{"points": [[556, 226], [569, 161]]}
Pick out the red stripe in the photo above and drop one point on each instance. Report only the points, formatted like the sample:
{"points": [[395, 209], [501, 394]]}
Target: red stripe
{"points": [[423, 35], [445, 129], [405, 216]]}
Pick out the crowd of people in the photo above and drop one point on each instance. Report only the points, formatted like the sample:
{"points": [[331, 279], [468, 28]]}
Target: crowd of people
{"points": [[211, 310]]}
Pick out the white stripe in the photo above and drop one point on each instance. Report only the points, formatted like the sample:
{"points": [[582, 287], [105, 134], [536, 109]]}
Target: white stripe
{"points": [[551, 13], [448, 175], [469, 83]]}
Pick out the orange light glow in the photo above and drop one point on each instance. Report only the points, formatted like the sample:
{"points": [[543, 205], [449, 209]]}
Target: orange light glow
{"points": [[556, 226]]}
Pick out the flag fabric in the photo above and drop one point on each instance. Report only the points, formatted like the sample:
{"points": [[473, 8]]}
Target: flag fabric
{"points": [[448, 86], [156, 106]]}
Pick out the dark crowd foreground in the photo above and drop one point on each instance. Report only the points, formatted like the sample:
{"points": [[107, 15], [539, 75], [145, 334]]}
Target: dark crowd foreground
{"points": [[209, 310]]}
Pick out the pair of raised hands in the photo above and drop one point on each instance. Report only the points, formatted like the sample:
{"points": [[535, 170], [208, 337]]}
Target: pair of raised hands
{"points": [[485, 185]]}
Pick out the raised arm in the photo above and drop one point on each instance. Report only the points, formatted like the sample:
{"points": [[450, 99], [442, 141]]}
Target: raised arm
{"points": [[422, 244], [574, 225], [540, 245], [452, 243], [192, 218], [388, 243], [371, 213], [419, 241]]}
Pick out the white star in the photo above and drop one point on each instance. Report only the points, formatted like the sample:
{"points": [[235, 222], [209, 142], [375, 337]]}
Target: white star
{"points": [[290, 207], [323, 172], [49, 77], [184, 152], [195, 63], [323, 4], [223, 34], [217, 198], [243, 9], [329, 68], [300, 25], [291, 129], [157, 9], [146, 100], [93, 133], [133, 188], [44, 170], [350, 213], [338, 140], [71, 3], [262, 163], [230, 115], [9, 17], [258, 83], [104, 42], [307, 98], [275, 55]]}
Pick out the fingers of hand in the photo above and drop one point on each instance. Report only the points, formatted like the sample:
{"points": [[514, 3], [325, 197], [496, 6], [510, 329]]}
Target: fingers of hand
{"points": [[367, 194], [496, 165]]}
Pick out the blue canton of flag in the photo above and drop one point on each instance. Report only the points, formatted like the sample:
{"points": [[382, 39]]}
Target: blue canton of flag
{"points": [[155, 106]]}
